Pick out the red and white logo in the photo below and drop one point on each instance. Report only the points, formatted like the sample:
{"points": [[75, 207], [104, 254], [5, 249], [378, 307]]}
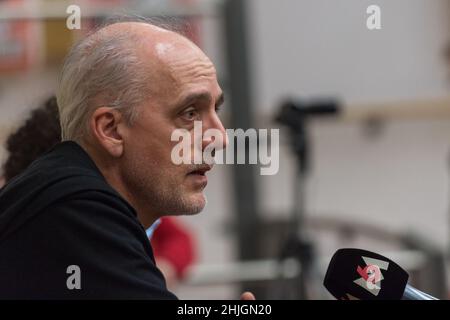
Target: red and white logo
{"points": [[371, 275]]}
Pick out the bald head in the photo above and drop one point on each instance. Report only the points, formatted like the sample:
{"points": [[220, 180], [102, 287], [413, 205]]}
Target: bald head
{"points": [[119, 66], [141, 33], [167, 55], [154, 44]]}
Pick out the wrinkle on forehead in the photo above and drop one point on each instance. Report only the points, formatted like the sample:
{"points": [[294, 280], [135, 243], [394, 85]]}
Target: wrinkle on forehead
{"points": [[192, 68]]}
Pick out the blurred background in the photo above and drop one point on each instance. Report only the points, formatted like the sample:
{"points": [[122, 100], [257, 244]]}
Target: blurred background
{"points": [[372, 173]]}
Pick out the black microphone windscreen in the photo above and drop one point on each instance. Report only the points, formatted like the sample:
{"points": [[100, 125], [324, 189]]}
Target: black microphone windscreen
{"points": [[364, 275]]}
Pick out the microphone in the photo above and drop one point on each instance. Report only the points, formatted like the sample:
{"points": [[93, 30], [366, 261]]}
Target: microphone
{"points": [[293, 112], [356, 274]]}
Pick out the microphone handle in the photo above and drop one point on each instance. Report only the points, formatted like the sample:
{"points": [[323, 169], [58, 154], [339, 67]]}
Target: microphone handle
{"points": [[412, 293]]}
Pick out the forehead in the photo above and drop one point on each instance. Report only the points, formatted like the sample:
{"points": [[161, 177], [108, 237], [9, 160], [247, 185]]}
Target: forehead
{"points": [[181, 66]]}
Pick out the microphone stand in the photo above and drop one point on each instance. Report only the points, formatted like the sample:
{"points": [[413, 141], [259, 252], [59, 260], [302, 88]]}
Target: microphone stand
{"points": [[415, 294], [297, 246], [295, 115]]}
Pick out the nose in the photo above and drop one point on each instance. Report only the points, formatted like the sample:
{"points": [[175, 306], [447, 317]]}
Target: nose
{"points": [[214, 132]]}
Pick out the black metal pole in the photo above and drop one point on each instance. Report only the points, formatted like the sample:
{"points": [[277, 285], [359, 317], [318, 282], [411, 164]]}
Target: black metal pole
{"points": [[247, 218]]}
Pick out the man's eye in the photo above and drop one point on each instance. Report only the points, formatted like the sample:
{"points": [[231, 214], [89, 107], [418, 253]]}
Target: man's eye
{"points": [[190, 115]]}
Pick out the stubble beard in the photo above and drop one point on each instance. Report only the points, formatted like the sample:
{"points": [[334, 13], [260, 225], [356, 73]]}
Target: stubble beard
{"points": [[166, 196]]}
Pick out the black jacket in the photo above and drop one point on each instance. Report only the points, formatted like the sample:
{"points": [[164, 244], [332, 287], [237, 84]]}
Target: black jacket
{"points": [[61, 212]]}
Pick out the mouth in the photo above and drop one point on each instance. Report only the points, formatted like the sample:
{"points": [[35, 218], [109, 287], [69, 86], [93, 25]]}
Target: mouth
{"points": [[198, 176], [200, 170]]}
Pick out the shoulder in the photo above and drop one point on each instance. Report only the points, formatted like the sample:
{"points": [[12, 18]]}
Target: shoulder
{"points": [[99, 210], [98, 234]]}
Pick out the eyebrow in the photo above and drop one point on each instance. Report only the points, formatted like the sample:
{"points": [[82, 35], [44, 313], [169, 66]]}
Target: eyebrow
{"points": [[202, 96]]}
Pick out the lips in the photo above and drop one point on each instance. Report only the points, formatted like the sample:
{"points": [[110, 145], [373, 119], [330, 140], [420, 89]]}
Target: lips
{"points": [[197, 176], [200, 170]]}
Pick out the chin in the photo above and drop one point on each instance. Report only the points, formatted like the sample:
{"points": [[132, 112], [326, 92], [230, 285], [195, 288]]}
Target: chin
{"points": [[195, 204]]}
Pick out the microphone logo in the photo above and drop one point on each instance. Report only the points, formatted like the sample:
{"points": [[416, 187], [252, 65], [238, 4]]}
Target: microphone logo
{"points": [[371, 275]]}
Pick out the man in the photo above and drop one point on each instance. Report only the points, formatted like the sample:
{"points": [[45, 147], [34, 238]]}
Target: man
{"points": [[73, 224], [172, 242]]}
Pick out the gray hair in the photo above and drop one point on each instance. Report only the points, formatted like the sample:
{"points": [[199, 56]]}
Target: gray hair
{"points": [[106, 69]]}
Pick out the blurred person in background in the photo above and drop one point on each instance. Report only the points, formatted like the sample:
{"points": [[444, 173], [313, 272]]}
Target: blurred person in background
{"points": [[172, 242]]}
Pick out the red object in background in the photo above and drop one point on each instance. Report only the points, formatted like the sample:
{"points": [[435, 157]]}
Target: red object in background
{"points": [[14, 43], [173, 242]]}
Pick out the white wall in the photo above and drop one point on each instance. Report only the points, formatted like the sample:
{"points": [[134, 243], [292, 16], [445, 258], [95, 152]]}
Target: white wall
{"points": [[311, 47], [322, 47]]}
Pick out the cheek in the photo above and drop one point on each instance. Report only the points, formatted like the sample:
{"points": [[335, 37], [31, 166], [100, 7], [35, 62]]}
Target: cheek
{"points": [[153, 148], [159, 145], [152, 144]]}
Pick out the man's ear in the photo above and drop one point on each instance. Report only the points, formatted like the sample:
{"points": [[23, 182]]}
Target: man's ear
{"points": [[104, 125]]}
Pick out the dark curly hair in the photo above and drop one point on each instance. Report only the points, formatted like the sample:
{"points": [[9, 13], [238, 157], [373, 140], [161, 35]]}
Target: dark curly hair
{"points": [[40, 132]]}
